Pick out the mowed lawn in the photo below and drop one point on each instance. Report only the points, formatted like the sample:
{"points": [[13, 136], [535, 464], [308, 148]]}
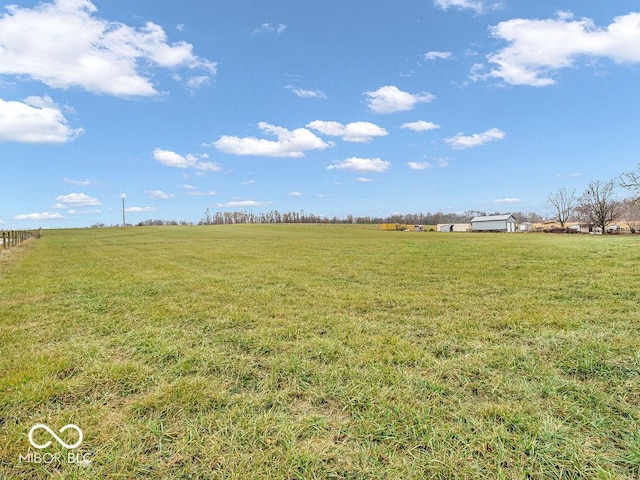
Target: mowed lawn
{"points": [[321, 352]]}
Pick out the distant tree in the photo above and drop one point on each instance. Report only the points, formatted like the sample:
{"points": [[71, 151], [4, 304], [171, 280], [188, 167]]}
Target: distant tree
{"points": [[564, 202], [598, 205], [631, 214], [206, 220], [631, 181]]}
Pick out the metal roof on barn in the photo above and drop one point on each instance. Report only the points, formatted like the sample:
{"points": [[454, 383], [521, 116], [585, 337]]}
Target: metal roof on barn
{"points": [[493, 218]]}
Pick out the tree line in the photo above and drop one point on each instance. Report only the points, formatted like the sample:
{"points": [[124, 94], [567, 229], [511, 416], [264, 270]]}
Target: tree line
{"points": [[274, 216], [599, 205]]}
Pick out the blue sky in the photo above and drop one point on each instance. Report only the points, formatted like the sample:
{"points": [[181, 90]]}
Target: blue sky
{"points": [[289, 105]]}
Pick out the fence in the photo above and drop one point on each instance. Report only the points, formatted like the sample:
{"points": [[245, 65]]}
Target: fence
{"points": [[11, 238]]}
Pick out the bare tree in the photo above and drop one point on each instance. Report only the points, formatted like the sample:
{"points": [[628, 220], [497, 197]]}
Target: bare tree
{"points": [[631, 181], [631, 214], [598, 204], [564, 202]]}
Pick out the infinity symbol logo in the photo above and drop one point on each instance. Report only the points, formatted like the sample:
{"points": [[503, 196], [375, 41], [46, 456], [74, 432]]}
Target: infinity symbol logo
{"points": [[58, 439]]}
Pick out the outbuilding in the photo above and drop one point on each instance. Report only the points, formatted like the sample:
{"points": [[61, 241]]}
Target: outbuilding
{"points": [[494, 223], [453, 227]]}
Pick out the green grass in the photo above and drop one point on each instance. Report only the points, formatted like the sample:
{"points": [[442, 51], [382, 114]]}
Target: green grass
{"points": [[319, 352]]}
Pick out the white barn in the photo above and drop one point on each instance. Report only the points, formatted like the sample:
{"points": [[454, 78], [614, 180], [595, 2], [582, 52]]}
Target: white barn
{"points": [[494, 223]]}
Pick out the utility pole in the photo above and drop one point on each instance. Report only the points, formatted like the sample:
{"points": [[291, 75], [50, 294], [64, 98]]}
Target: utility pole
{"points": [[124, 223]]}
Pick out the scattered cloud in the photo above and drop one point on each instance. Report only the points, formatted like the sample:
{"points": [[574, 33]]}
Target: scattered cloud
{"points": [[198, 193], [65, 44], [420, 126], [363, 180], [461, 142], [358, 132], [76, 200], [277, 28], [361, 165], [433, 55], [81, 183], [301, 93], [539, 48], [160, 195], [173, 159], [294, 194], [419, 165], [89, 211], [242, 204], [140, 209], [35, 120], [501, 201], [390, 99], [249, 182], [289, 143], [198, 81], [38, 216], [475, 5]]}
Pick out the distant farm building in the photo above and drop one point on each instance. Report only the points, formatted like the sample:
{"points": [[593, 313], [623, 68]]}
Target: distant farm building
{"points": [[401, 227], [494, 223], [453, 227]]}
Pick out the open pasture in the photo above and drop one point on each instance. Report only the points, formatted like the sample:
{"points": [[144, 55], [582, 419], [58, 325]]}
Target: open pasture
{"points": [[319, 352]]}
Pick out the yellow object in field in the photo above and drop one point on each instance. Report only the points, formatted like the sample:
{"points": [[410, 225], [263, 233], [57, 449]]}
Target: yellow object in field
{"points": [[393, 226]]}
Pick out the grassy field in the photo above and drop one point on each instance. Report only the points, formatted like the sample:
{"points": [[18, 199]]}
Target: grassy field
{"points": [[321, 352]]}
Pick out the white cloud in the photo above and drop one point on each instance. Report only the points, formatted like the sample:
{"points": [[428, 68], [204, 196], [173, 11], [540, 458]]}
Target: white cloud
{"points": [[538, 48], [198, 81], [475, 5], [420, 126], [160, 195], [461, 142], [64, 44], [270, 28], [140, 209], [173, 159], [243, 204], [36, 120], [89, 211], [294, 194], [197, 193], [289, 143], [301, 93], [361, 165], [363, 180], [501, 201], [358, 132], [76, 200], [419, 165], [82, 183], [38, 216], [390, 99], [436, 54]]}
